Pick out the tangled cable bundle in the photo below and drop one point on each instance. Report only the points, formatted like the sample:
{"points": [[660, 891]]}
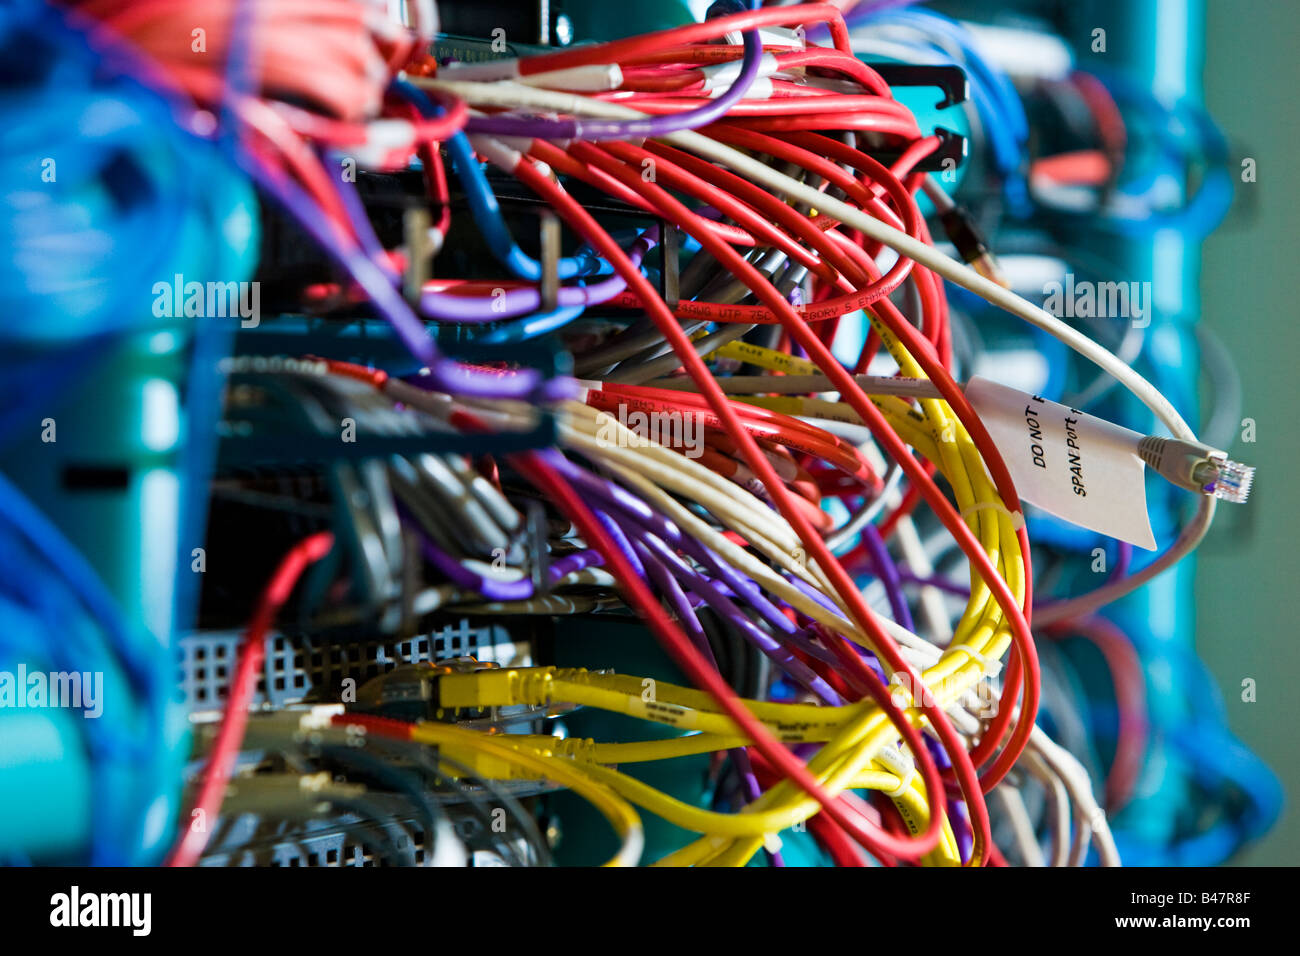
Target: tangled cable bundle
{"points": [[767, 444]]}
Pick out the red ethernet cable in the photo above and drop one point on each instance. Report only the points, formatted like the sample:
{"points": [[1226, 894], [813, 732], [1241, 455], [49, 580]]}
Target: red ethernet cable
{"points": [[234, 718]]}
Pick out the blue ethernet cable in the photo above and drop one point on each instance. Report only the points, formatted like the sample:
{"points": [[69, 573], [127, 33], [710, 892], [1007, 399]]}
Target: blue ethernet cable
{"points": [[530, 327], [1001, 113], [487, 211]]}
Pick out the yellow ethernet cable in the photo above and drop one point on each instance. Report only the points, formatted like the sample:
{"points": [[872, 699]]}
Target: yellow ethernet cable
{"points": [[622, 817], [535, 686], [981, 636], [669, 704], [766, 358], [907, 793], [970, 674]]}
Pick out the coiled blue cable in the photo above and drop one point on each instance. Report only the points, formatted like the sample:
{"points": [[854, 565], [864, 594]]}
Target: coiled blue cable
{"points": [[1183, 131], [1001, 113]]}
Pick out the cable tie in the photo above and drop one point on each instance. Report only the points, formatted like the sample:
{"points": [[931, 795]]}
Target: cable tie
{"points": [[1017, 517], [897, 763], [990, 667], [904, 784]]}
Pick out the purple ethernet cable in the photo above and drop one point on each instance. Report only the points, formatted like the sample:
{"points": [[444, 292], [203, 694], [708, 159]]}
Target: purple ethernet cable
{"points": [[743, 586], [492, 589], [677, 600], [445, 374], [817, 647], [1124, 558], [641, 514], [648, 525], [468, 580], [562, 567], [813, 594], [350, 199], [448, 307], [806, 640], [728, 575], [779, 654], [888, 575], [934, 581], [619, 538], [597, 129], [515, 302], [691, 623]]}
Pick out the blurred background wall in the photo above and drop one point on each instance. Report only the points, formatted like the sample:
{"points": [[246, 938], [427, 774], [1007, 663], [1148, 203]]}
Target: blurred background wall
{"points": [[1248, 579]]}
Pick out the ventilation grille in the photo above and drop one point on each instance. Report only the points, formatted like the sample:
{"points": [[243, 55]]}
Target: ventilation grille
{"points": [[297, 664]]}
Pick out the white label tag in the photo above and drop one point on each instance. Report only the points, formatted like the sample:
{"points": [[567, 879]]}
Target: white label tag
{"points": [[1080, 468]]}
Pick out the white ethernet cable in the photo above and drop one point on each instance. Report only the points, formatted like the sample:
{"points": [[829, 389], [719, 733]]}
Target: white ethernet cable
{"points": [[1191, 465], [516, 96]]}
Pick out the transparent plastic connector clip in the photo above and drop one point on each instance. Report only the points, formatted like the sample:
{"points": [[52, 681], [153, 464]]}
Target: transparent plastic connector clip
{"points": [[1233, 481]]}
